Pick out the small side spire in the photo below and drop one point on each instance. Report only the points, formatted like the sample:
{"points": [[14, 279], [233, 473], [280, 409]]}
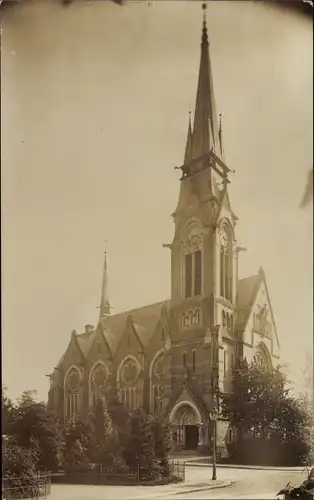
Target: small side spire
{"points": [[220, 138], [104, 302], [189, 142]]}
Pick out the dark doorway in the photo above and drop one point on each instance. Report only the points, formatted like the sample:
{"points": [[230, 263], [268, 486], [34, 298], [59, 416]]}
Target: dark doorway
{"points": [[191, 437]]}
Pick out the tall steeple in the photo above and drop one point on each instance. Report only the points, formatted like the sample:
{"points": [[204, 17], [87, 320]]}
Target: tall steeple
{"points": [[104, 302], [205, 130]]}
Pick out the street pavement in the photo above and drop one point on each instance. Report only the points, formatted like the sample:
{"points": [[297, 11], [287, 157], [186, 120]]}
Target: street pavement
{"points": [[246, 484]]}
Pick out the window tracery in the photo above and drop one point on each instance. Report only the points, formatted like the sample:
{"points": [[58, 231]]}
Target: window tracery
{"points": [[98, 380], [72, 393], [226, 268], [191, 318], [157, 384], [261, 322], [129, 378], [193, 265]]}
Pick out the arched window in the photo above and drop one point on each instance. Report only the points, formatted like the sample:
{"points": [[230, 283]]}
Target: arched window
{"points": [[262, 359], [128, 377], [228, 321], [223, 318], [193, 265], [229, 435], [157, 383], [231, 322], [226, 268], [72, 393], [193, 361], [97, 382], [184, 359]]}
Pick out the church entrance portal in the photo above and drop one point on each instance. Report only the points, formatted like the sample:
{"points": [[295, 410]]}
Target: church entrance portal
{"points": [[191, 437], [186, 426]]}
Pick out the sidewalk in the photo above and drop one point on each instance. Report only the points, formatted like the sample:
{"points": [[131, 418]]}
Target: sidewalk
{"points": [[206, 462], [87, 492]]}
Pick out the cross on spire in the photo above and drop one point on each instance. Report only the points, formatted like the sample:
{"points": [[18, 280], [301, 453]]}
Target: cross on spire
{"points": [[104, 301]]}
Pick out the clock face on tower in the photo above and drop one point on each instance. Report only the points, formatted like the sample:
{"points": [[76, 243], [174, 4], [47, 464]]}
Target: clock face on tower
{"points": [[223, 238]]}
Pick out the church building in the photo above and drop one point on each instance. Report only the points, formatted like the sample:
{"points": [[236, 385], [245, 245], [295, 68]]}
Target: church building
{"points": [[160, 355]]}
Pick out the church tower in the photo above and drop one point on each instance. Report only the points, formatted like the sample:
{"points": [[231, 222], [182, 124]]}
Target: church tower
{"points": [[203, 251]]}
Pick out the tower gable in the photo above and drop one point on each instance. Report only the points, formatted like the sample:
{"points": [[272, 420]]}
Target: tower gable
{"points": [[259, 325]]}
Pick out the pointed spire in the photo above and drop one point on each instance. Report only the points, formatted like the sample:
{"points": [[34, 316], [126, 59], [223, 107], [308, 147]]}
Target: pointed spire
{"points": [[189, 142], [104, 302], [205, 130]]}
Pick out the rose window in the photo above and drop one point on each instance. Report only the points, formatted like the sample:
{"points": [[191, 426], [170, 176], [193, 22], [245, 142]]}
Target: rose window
{"points": [[130, 372], [100, 377], [73, 381]]}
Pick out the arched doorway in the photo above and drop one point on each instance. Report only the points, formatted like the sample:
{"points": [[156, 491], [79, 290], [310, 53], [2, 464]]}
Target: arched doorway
{"points": [[186, 425]]}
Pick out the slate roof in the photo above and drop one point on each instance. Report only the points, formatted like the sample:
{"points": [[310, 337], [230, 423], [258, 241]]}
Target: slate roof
{"points": [[144, 319], [246, 292], [85, 341]]}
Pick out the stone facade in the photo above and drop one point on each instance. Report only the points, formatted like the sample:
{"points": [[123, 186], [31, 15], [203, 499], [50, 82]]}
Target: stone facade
{"points": [[160, 355]]}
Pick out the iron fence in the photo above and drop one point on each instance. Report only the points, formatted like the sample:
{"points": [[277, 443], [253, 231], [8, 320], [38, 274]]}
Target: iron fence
{"points": [[38, 486], [117, 475]]}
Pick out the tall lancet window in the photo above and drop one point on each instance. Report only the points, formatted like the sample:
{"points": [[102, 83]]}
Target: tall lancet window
{"points": [[226, 268], [97, 382], [157, 384], [198, 272], [129, 383], [72, 393], [188, 275], [193, 259]]}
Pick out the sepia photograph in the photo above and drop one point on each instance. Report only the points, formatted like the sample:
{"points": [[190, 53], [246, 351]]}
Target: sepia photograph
{"points": [[157, 249]]}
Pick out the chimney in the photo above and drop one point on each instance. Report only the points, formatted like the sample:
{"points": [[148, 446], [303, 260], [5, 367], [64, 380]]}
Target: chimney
{"points": [[89, 328]]}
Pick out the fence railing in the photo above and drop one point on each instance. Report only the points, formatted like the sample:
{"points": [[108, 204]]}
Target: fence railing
{"points": [[38, 486], [123, 475]]}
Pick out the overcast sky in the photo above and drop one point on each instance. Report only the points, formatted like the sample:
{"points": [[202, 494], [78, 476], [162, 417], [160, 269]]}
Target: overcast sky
{"points": [[95, 102]]}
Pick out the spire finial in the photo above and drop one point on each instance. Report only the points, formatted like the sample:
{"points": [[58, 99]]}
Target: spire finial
{"points": [[204, 37], [104, 302]]}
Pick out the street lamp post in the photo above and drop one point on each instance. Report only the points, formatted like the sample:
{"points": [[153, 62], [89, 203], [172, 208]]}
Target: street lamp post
{"points": [[213, 417], [215, 392]]}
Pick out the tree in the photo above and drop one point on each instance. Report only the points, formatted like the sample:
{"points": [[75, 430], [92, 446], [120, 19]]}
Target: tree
{"points": [[19, 469], [34, 427], [8, 412], [119, 416], [106, 449], [75, 458], [139, 451], [37, 427], [263, 409], [161, 443]]}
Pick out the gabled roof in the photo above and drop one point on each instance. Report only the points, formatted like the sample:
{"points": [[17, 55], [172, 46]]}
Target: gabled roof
{"points": [[247, 289], [85, 341], [144, 319]]}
